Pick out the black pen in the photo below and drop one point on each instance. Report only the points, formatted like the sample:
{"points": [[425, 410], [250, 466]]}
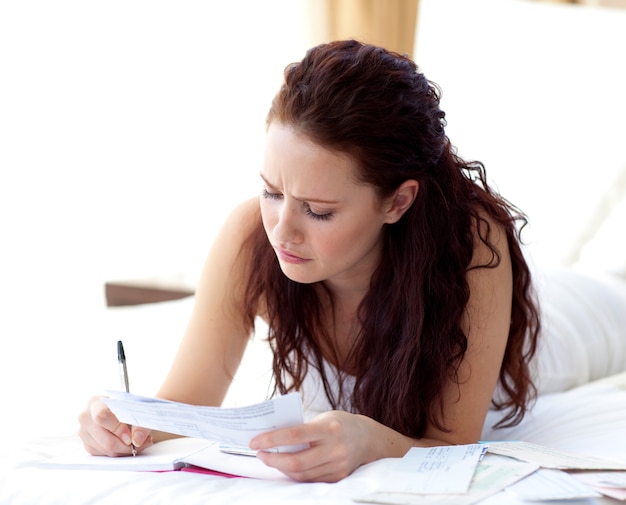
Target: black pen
{"points": [[121, 359]]}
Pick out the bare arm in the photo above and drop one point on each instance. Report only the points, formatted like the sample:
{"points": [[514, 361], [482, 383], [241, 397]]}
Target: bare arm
{"points": [[211, 349], [486, 325], [216, 336]]}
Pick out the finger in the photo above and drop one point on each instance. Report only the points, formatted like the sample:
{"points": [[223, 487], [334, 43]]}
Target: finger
{"points": [[101, 431], [294, 462], [294, 435], [102, 415], [141, 437], [101, 442], [310, 465], [104, 418]]}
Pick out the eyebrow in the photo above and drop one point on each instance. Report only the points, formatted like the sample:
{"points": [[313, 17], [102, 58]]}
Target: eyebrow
{"points": [[300, 199]]}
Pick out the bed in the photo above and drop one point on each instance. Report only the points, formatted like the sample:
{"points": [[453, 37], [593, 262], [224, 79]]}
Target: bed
{"points": [[581, 407], [579, 253]]}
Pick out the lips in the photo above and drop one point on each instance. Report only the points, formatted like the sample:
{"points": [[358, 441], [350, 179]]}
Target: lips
{"points": [[289, 257]]}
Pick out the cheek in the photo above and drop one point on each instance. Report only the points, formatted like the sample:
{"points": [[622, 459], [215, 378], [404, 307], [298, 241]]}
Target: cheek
{"points": [[324, 245], [337, 243], [354, 241]]}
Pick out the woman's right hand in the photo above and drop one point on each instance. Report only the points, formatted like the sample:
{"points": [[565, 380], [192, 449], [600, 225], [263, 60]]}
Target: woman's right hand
{"points": [[103, 435]]}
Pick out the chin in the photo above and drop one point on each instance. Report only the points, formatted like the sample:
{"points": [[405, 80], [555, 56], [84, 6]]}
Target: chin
{"points": [[297, 274]]}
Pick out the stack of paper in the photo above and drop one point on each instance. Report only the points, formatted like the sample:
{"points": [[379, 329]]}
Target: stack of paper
{"points": [[612, 484], [589, 477], [450, 475], [463, 475]]}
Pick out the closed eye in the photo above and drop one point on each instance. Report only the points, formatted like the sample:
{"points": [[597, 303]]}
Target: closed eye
{"points": [[270, 196], [319, 217], [309, 212]]}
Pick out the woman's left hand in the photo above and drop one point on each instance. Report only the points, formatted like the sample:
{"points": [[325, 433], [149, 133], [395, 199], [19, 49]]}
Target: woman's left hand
{"points": [[339, 442]]}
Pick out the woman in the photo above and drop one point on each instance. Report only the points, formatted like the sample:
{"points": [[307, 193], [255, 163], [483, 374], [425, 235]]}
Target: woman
{"points": [[389, 274]]}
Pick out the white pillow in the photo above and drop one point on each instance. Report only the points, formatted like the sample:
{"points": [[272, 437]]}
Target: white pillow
{"points": [[606, 250]]}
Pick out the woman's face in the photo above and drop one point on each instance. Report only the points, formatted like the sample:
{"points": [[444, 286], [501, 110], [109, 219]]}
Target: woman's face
{"points": [[322, 223]]}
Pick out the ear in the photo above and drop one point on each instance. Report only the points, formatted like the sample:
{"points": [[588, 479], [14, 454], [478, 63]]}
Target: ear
{"points": [[401, 200]]}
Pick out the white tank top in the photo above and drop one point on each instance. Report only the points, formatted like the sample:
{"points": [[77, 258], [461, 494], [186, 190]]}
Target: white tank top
{"points": [[314, 399]]}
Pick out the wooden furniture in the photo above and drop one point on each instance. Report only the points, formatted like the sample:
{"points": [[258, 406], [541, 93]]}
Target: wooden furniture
{"points": [[150, 290]]}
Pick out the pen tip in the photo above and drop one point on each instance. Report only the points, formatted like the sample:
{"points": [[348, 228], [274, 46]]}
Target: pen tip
{"points": [[120, 351]]}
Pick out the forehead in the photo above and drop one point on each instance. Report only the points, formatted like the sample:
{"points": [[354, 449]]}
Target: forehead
{"points": [[291, 155]]}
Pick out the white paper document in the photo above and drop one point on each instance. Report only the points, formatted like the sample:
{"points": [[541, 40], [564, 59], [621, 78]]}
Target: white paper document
{"points": [[607, 479], [611, 484], [433, 470], [493, 474], [549, 484], [233, 426], [546, 457]]}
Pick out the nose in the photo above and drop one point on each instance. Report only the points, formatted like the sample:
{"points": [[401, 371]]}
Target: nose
{"points": [[287, 229]]}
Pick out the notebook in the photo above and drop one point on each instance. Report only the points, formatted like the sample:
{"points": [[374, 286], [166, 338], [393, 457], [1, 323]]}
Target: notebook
{"points": [[188, 454]]}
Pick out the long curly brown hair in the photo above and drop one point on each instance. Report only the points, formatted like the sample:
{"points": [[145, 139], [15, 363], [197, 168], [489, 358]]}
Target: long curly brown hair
{"points": [[377, 107]]}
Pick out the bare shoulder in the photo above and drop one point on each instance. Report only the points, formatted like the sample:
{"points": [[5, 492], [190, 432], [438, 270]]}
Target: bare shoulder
{"points": [[227, 258], [491, 247], [243, 219], [490, 277], [247, 209], [228, 244]]}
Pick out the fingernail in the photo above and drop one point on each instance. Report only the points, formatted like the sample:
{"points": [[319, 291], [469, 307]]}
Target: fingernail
{"points": [[254, 445], [126, 438], [139, 438]]}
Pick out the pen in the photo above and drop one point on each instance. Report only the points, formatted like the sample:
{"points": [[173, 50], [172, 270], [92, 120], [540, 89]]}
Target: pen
{"points": [[121, 359]]}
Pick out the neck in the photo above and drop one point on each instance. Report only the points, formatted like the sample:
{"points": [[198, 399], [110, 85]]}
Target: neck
{"points": [[341, 326]]}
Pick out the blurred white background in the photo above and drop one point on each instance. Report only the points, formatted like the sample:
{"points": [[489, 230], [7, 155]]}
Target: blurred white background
{"points": [[535, 90], [128, 130]]}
